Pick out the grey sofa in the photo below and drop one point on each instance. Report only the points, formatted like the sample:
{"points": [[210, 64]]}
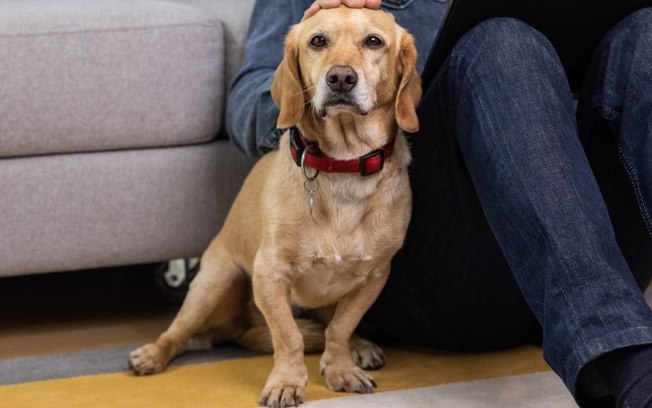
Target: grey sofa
{"points": [[111, 143]]}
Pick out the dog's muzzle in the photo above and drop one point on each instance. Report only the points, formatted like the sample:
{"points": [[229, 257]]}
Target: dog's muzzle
{"points": [[341, 81]]}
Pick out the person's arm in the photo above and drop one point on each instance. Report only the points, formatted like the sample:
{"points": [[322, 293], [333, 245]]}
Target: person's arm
{"points": [[251, 114]]}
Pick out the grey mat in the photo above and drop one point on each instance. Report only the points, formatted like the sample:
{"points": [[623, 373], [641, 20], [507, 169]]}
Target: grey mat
{"points": [[66, 365]]}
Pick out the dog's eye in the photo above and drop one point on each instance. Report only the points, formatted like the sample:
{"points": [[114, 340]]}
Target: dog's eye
{"points": [[318, 41], [373, 41]]}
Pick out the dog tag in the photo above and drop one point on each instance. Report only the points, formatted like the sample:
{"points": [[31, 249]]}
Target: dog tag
{"points": [[311, 201], [311, 185]]}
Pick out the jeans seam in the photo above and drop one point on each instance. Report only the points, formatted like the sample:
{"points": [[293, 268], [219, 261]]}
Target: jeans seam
{"points": [[605, 111], [633, 179], [614, 116]]}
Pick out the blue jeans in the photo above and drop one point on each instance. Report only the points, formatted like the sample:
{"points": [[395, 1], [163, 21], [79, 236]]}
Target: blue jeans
{"points": [[511, 224]]}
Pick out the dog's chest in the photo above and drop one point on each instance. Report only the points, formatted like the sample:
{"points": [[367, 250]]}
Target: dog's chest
{"points": [[336, 261], [323, 280]]}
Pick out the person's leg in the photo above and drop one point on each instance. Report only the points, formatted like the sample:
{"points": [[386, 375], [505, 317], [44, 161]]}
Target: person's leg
{"points": [[615, 122], [515, 123]]}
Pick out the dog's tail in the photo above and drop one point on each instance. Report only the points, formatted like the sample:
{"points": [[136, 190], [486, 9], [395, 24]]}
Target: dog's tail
{"points": [[259, 338]]}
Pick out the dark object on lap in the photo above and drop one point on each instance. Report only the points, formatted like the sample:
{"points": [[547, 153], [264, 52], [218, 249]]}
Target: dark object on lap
{"points": [[573, 27]]}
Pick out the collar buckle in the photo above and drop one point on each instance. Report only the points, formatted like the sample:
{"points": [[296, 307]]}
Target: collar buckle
{"points": [[372, 162]]}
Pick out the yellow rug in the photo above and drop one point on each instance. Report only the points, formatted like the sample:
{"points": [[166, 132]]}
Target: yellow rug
{"points": [[236, 383]]}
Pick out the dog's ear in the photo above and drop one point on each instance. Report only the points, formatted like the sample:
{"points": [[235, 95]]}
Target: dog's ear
{"points": [[287, 87], [409, 89]]}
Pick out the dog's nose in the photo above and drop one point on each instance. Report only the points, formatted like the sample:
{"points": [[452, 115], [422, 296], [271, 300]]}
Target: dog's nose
{"points": [[341, 78]]}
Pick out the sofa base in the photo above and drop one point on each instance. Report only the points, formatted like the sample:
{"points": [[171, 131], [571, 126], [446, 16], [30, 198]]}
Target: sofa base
{"points": [[89, 210]]}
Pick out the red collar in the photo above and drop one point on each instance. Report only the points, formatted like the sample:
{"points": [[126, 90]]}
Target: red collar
{"points": [[370, 163]]}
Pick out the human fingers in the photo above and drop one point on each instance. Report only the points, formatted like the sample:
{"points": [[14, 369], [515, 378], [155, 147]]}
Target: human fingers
{"points": [[311, 11], [320, 4], [371, 4]]}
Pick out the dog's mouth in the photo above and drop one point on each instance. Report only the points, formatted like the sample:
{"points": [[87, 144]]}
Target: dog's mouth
{"points": [[340, 101]]}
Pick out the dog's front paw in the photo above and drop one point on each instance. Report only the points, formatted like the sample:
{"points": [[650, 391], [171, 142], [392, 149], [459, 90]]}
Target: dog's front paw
{"points": [[366, 354], [348, 379], [284, 388], [147, 360], [282, 395]]}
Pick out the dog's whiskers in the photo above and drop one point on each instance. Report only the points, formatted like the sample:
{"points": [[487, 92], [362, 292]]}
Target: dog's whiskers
{"points": [[301, 92], [304, 90]]}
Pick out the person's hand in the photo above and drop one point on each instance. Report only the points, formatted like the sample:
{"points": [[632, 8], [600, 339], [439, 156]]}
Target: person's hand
{"points": [[320, 4]]}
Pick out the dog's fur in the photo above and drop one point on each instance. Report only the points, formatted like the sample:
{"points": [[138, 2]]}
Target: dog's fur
{"points": [[334, 260]]}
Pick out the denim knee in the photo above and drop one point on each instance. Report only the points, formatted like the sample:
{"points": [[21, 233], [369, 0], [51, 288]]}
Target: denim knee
{"points": [[638, 24], [503, 45], [622, 67], [631, 38], [504, 78]]}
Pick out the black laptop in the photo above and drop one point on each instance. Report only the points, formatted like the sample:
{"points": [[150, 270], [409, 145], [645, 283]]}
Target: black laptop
{"points": [[574, 27]]}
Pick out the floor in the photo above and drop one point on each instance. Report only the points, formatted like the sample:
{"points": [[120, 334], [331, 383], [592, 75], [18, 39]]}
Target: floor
{"points": [[117, 307]]}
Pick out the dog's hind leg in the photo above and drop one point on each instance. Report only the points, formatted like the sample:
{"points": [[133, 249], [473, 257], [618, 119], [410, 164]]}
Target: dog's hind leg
{"points": [[366, 354], [215, 304], [259, 337]]}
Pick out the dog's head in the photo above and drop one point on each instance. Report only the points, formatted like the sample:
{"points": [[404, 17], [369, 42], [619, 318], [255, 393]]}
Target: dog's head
{"points": [[348, 61]]}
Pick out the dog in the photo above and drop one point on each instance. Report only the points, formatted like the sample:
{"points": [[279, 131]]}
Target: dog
{"points": [[316, 222]]}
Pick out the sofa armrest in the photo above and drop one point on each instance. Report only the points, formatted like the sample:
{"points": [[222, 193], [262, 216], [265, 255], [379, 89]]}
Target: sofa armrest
{"points": [[234, 15]]}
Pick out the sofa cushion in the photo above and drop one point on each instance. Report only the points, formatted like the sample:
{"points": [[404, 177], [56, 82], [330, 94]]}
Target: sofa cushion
{"points": [[78, 75]]}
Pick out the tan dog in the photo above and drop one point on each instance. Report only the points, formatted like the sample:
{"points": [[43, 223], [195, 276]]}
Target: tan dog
{"points": [[347, 82]]}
